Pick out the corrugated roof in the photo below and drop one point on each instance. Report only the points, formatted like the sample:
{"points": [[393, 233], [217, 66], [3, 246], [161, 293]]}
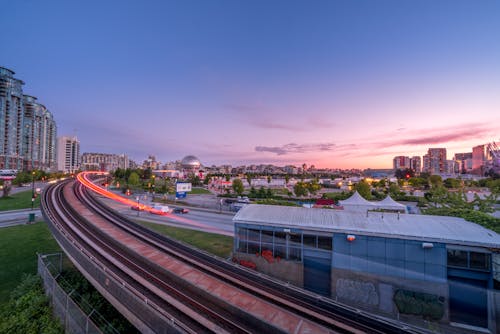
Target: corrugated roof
{"points": [[418, 227]]}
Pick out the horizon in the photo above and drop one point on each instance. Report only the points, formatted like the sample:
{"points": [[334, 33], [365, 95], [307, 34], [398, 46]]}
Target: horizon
{"points": [[335, 84]]}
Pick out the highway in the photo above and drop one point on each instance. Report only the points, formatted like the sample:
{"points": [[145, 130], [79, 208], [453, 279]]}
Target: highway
{"points": [[196, 219]]}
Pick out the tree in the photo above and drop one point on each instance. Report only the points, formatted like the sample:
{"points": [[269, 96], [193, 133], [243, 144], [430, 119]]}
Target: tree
{"points": [[207, 179], [269, 178], [6, 189], [313, 186], [133, 179], [452, 183], [228, 177], [249, 179], [269, 193], [364, 189], [435, 180], [300, 189], [253, 192], [238, 186], [147, 173], [22, 177], [287, 179], [394, 189]]}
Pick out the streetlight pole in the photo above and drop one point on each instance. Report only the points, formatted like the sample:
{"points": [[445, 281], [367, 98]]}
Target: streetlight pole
{"points": [[32, 190]]}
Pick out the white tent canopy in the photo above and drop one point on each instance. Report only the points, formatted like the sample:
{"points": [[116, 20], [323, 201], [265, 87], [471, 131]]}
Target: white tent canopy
{"points": [[390, 204], [357, 203]]}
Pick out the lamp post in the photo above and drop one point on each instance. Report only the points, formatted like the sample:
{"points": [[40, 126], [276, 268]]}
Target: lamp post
{"points": [[32, 190]]}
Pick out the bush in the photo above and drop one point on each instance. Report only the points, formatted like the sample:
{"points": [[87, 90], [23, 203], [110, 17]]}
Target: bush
{"points": [[28, 311]]}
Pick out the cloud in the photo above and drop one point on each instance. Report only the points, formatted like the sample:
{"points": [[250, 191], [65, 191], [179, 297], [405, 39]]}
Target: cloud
{"points": [[296, 148]]}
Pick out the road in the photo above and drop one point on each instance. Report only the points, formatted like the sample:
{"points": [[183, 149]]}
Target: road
{"points": [[196, 219], [17, 217]]}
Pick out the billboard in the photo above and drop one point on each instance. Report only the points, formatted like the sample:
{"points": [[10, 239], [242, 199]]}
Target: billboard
{"points": [[183, 186]]}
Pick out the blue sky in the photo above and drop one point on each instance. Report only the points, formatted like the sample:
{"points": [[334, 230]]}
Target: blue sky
{"points": [[332, 83]]}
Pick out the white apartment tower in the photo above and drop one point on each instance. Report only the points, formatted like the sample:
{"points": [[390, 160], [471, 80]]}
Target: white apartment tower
{"points": [[68, 154]]}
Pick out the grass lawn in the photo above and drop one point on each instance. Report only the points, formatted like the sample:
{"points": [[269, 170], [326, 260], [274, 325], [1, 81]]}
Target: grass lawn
{"points": [[18, 247], [20, 200], [198, 191], [220, 245]]}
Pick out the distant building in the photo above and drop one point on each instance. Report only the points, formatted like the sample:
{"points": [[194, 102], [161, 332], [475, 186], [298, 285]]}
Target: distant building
{"points": [[463, 162], [104, 162], [68, 154], [27, 129], [401, 162], [416, 164], [435, 161], [290, 169], [480, 156]]}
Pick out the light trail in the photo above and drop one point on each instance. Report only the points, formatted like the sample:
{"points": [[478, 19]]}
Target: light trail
{"points": [[82, 177]]}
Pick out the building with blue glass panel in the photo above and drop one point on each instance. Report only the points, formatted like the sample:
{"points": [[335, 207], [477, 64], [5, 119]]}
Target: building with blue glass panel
{"points": [[415, 268]]}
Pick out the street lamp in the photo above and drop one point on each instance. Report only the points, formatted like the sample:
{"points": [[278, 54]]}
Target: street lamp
{"points": [[32, 190]]}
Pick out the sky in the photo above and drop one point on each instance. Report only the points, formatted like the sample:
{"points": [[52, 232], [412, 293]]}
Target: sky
{"points": [[335, 84]]}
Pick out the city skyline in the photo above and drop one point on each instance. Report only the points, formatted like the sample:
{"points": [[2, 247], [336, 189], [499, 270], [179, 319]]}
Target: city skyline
{"points": [[337, 84]]}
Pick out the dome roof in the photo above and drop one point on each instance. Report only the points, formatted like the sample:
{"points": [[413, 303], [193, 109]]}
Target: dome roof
{"points": [[190, 161]]}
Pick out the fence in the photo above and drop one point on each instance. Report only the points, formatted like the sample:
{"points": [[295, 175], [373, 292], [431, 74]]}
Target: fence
{"points": [[72, 317]]}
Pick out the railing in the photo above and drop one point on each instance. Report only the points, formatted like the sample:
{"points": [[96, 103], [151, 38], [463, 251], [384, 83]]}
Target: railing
{"points": [[72, 317]]}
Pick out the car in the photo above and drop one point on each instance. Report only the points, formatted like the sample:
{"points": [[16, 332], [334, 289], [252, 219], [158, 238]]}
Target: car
{"points": [[137, 207], [160, 210], [180, 210]]}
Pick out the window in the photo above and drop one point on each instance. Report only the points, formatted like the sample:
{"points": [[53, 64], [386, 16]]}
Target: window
{"points": [[479, 261], [309, 241], [469, 259], [295, 240], [325, 243], [267, 237], [457, 258], [253, 235], [280, 238]]}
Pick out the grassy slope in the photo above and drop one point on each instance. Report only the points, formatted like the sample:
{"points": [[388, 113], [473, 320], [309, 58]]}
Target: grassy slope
{"points": [[219, 245], [18, 248], [20, 200]]}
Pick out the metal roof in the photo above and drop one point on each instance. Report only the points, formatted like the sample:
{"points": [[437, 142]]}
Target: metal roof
{"points": [[443, 229]]}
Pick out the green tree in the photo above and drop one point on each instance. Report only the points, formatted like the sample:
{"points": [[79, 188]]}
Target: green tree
{"points": [[452, 183], [364, 189], [300, 189], [269, 193], [261, 193], [228, 177], [269, 178], [287, 179], [253, 192], [394, 189], [313, 186], [435, 181], [249, 179], [133, 179], [238, 186], [22, 177]]}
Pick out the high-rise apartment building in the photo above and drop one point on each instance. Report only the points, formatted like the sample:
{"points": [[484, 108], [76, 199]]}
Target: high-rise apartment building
{"points": [[480, 156], [27, 129], [463, 162], [434, 162], [68, 154], [104, 162], [401, 162], [416, 164]]}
